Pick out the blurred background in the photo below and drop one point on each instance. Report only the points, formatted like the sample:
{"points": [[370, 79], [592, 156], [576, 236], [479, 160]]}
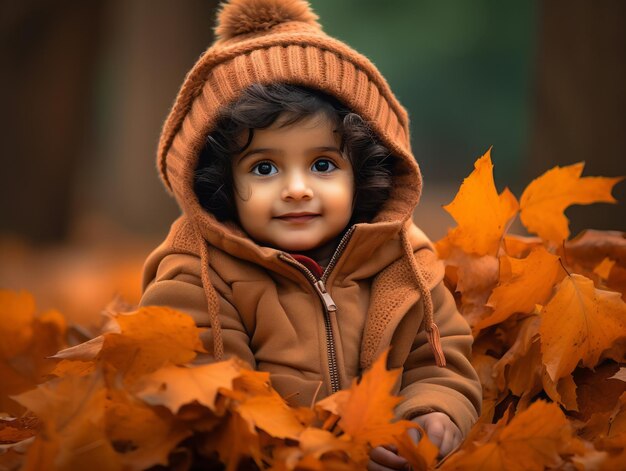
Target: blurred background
{"points": [[86, 85]]}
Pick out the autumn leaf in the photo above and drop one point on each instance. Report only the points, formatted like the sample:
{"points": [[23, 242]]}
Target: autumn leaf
{"points": [[578, 324], [519, 369], [233, 440], [562, 391], [621, 375], [527, 282], [520, 246], [71, 411], [484, 366], [26, 340], [545, 198], [603, 269], [589, 248], [271, 414], [151, 338], [317, 442], [85, 351], [481, 214], [475, 277], [15, 430], [143, 436], [596, 390], [174, 386], [536, 438], [422, 455], [367, 415]]}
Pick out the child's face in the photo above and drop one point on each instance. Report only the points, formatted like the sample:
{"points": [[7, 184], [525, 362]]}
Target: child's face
{"points": [[293, 187]]}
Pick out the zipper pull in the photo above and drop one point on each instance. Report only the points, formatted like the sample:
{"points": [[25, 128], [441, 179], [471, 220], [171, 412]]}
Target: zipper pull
{"points": [[328, 301]]}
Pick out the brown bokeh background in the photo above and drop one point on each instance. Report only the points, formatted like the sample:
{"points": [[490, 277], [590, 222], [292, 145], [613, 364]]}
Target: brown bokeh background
{"points": [[86, 86]]}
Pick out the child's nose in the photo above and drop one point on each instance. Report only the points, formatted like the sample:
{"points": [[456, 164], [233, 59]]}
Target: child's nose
{"points": [[296, 187]]}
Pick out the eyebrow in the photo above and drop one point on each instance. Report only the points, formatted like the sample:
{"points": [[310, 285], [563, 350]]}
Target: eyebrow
{"points": [[270, 150]]}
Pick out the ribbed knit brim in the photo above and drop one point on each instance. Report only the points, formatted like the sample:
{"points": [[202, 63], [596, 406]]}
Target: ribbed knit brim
{"points": [[295, 52]]}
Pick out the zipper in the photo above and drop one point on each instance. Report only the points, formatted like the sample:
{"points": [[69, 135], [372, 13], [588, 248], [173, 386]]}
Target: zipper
{"points": [[327, 303]]}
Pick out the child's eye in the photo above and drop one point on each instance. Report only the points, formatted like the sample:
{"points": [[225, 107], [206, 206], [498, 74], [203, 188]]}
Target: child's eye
{"points": [[323, 166], [264, 168]]}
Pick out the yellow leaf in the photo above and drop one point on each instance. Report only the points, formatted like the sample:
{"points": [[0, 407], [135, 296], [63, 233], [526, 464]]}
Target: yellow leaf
{"points": [[233, 440], [26, 341], [144, 436], [422, 455], [578, 324], [367, 415], [481, 214], [151, 338], [526, 282], [520, 367], [271, 414], [316, 442], [536, 438], [73, 437], [174, 386], [603, 269], [545, 198], [563, 391]]}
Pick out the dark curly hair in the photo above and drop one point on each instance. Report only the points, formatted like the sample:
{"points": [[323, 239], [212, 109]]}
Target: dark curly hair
{"points": [[258, 108]]}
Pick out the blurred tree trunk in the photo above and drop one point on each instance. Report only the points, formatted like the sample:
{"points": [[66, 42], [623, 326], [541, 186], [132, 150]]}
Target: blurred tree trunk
{"points": [[86, 86], [580, 109], [148, 48], [48, 50]]}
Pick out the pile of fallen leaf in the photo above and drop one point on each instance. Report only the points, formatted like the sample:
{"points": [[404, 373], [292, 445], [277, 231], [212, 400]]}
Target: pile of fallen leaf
{"points": [[139, 395], [548, 316]]}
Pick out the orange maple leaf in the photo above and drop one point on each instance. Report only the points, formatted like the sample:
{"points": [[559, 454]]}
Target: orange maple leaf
{"points": [[142, 435], [174, 386], [603, 269], [154, 336], [71, 411], [536, 438], [270, 413], [545, 198], [519, 369], [368, 413], [578, 324], [523, 283], [481, 214], [26, 340], [422, 455], [233, 440]]}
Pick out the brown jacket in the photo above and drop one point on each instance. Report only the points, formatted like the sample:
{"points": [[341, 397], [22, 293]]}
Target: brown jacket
{"points": [[383, 287], [273, 316]]}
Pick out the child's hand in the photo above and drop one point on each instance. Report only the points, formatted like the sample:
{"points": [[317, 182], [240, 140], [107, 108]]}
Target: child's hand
{"points": [[440, 430]]}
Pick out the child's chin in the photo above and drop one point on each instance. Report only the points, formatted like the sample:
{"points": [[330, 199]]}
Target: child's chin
{"points": [[296, 246]]}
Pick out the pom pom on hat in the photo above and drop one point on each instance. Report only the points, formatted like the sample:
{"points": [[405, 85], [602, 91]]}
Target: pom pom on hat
{"points": [[247, 16]]}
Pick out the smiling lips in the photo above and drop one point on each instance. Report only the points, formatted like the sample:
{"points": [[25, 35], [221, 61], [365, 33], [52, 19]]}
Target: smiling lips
{"points": [[297, 217]]}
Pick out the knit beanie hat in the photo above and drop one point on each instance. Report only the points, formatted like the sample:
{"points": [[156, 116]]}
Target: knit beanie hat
{"points": [[280, 41], [271, 41]]}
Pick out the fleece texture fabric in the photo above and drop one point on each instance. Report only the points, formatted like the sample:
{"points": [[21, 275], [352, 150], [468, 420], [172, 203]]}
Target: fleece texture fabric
{"points": [[261, 304]]}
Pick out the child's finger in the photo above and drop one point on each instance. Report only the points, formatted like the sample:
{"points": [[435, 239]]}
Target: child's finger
{"points": [[449, 442], [383, 459], [414, 434]]}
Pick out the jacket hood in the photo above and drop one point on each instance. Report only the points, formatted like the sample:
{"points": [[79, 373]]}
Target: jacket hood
{"points": [[280, 41], [271, 41]]}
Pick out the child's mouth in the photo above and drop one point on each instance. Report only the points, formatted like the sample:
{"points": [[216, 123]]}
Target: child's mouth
{"points": [[297, 217]]}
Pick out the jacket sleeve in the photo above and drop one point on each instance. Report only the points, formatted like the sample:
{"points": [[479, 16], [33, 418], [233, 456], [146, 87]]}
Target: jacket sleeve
{"points": [[174, 280], [454, 389]]}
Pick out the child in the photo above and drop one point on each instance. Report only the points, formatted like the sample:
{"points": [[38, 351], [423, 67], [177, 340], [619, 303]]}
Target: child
{"points": [[289, 157]]}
